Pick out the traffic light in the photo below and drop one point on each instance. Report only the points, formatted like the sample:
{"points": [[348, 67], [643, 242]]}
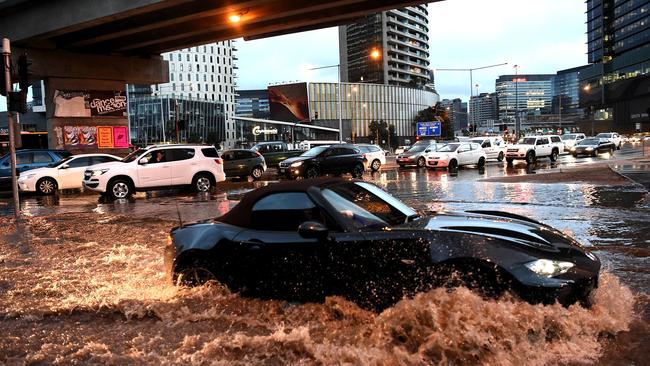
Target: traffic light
{"points": [[23, 71], [17, 101]]}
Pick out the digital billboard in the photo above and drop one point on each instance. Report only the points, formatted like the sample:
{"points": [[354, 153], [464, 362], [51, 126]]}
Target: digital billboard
{"points": [[289, 102], [428, 128]]}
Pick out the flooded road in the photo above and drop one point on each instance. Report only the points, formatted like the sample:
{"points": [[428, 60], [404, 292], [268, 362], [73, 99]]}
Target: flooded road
{"points": [[82, 282]]}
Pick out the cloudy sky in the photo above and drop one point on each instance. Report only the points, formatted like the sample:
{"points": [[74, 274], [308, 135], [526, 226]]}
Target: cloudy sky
{"points": [[542, 36]]}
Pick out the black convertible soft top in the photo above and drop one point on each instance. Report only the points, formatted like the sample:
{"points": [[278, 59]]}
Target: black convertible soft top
{"points": [[240, 215]]}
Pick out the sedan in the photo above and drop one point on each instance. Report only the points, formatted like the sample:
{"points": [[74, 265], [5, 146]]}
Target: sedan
{"points": [[65, 174], [302, 241], [593, 146]]}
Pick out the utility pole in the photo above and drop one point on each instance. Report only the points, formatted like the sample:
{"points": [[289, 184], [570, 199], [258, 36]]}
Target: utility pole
{"points": [[6, 59], [178, 139]]}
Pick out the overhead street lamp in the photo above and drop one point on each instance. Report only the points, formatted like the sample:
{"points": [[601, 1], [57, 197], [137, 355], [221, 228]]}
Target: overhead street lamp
{"points": [[471, 83]]}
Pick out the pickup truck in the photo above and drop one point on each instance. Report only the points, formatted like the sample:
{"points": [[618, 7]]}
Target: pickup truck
{"points": [[275, 152]]}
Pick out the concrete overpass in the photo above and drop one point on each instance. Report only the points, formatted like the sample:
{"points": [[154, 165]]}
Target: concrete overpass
{"points": [[102, 45]]}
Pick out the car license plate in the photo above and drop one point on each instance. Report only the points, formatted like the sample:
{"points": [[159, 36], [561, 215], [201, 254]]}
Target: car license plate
{"points": [[283, 170]]}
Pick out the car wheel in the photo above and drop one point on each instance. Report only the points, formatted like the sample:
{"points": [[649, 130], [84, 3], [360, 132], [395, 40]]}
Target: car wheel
{"points": [[553, 156], [611, 151], [202, 183], [530, 157], [453, 165], [376, 165], [357, 171], [195, 274], [257, 173], [312, 172], [421, 162], [120, 188], [575, 155], [500, 157], [46, 186], [481, 162], [509, 161]]}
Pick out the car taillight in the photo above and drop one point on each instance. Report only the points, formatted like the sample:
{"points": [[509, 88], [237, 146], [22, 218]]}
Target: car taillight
{"points": [[218, 161], [258, 153]]}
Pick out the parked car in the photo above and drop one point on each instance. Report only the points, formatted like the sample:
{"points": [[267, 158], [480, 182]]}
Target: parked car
{"points": [[532, 147], [64, 174], [243, 163], [303, 241], [593, 146], [373, 156], [157, 167], [457, 154], [571, 139], [28, 159], [612, 136], [401, 149], [275, 152], [416, 154], [493, 146], [320, 160]]}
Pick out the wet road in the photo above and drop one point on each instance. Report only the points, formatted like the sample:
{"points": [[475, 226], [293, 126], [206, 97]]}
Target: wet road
{"points": [[95, 292]]}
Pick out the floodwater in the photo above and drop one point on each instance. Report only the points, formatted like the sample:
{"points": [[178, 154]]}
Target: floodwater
{"points": [[82, 282]]}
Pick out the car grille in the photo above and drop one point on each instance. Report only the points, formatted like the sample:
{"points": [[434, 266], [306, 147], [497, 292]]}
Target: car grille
{"points": [[513, 150]]}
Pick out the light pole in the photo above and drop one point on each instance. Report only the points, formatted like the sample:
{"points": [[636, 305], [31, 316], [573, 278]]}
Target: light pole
{"points": [[471, 83], [517, 120]]}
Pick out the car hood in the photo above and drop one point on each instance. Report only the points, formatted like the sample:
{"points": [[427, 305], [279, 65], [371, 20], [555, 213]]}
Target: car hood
{"points": [[113, 164], [39, 171], [504, 226], [408, 154], [295, 159], [442, 155], [519, 146]]}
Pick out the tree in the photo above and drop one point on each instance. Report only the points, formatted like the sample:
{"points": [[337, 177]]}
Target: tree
{"points": [[436, 113]]}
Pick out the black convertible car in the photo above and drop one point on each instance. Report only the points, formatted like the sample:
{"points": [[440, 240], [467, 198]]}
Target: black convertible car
{"points": [[305, 240]]}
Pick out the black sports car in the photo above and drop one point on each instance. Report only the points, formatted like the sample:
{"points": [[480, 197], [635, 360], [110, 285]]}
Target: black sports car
{"points": [[305, 240], [593, 146]]}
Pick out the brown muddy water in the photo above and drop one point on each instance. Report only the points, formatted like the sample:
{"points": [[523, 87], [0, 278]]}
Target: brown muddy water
{"points": [[88, 288]]}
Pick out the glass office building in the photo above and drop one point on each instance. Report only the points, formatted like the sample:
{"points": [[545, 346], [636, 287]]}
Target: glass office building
{"points": [[566, 92], [523, 94]]}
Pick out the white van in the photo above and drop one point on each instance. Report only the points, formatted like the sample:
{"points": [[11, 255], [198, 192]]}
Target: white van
{"points": [[494, 146]]}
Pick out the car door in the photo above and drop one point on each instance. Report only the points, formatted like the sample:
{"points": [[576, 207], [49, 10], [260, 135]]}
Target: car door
{"points": [[464, 154], [229, 163], [543, 146], [280, 262], [71, 173], [328, 160], [489, 150], [154, 172], [183, 165]]}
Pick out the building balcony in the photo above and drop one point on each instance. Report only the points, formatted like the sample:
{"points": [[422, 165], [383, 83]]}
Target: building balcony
{"points": [[407, 44], [394, 30], [419, 29], [423, 65]]}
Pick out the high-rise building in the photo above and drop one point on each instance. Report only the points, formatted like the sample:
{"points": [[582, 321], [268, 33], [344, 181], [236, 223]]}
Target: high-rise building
{"points": [[615, 89], [566, 92], [205, 73], [483, 109], [457, 112], [391, 48], [253, 103], [524, 94]]}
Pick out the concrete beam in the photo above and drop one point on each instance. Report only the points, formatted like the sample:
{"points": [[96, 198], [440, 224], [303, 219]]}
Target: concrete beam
{"points": [[61, 64]]}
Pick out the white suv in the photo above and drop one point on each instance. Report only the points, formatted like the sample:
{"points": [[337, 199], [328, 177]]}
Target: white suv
{"points": [[494, 146], [456, 154], [613, 137], [156, 167], [530, 148]]}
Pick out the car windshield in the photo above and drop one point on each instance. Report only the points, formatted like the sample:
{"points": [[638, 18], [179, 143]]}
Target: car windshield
{"points": [[133, 155], [417, 148], [57, 163], [604, 135], [314, 151], [568, 137], [367, 206], [527, 141], [449, 148], [589, 142]]}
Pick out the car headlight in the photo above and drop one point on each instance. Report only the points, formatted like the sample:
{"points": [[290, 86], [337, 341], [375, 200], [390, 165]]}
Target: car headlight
{"points": [[549, 268], [26, 176], [573, 149], [97, 173], [589, 148], [296, 164]]}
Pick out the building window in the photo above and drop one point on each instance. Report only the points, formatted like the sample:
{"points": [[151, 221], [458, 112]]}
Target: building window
{"points": [[179, 57], [171, 77]]}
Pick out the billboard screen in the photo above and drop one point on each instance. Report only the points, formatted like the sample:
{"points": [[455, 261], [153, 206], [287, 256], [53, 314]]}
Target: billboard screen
{"points": [[289, 102], [428, 128]]}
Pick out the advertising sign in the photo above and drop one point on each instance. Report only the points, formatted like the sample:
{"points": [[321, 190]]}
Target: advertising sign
{"points": [[428, 128], [105, 137], [289, 102], [80, 136], [120, 137], [89, 103]]}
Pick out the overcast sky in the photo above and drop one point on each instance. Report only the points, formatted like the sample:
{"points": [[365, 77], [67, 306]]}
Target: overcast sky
{"points": [[542, 36]]}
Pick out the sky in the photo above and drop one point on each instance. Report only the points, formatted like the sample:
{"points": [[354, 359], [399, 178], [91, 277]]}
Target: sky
{"points": [[541, 36]]}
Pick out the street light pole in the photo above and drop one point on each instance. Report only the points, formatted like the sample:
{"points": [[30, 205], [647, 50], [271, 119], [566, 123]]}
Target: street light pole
{"points": [[471, 84]]}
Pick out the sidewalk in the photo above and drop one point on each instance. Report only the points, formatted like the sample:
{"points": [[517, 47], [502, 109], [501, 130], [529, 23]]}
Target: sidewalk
{"points": [[637, 170]]}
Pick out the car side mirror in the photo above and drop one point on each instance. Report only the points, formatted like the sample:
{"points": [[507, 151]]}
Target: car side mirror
{"points": [[64, 166], [313, 230], [427, 150], [143, 161]]}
